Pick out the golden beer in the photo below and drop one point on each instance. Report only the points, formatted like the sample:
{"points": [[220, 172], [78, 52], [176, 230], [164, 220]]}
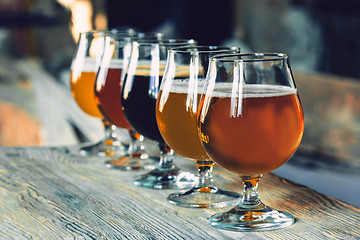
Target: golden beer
{"points": [[176, 118], [82, 82], [260, 137]]}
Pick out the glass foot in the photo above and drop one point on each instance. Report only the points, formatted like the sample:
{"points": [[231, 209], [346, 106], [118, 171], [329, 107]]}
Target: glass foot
{"points": [[204, 197], [132, 162], [258, 219], [166, 179], [100, 149]]}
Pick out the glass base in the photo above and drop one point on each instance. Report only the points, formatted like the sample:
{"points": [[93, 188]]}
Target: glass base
{"points": [[132, 162], [166, 179], [204, 197], [259, 219], [99, 149]]}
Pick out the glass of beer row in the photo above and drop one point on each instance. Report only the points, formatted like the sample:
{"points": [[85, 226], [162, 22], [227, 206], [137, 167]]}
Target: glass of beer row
{"points": [[176, 114], [83, 72], [139, 93], [250, 122], [108, 88]]}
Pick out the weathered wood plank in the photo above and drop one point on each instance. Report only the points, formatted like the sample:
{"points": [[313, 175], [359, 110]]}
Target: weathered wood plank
{"points": [[46, 195]]}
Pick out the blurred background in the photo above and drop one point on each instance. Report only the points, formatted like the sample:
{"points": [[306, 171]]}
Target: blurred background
{"points": [[319, 35], [38, 41]]}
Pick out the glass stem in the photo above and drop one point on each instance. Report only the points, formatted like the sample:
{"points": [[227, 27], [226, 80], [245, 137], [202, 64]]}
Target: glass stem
{"points": [[205, 182], [110, 134], [250, 199], [166, 157], [136, 145]]}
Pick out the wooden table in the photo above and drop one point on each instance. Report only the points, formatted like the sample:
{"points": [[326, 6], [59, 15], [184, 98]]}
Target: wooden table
{"points": [[46, 195]]}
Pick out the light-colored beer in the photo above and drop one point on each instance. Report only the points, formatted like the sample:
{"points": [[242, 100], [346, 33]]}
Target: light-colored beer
{"points": [[259, 138], [176, 117], [82, 82]]}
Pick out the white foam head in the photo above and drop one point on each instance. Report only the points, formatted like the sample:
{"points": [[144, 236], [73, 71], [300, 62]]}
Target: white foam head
{"points": [[116, 64], [183, 85], [86, 64], [253, 90]]}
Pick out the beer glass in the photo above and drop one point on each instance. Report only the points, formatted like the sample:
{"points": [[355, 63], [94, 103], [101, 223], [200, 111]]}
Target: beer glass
{"points": [[176, 112], [109, 81], [138, 98], [82, 80], [250, 122]]}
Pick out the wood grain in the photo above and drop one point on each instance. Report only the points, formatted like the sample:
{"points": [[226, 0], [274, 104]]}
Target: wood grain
{"points": [[47, 195]]}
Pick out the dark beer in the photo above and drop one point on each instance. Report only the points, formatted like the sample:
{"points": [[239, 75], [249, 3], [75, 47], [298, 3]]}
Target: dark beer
{"points": [[139, 101]]}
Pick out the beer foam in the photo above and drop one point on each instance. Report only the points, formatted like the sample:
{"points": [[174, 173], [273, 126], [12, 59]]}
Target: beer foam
{"points": [[116, 63], [184, 71], [145, 70], [86, 64], [182, 85], [223, 90], [89, 61]]}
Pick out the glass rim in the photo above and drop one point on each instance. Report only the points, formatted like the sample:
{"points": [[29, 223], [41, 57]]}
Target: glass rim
{"points": [[254, 57], [111, 32], [165, 41], [127, 38], [92, 32], [123, 29], [203, 49], [140, 35], [146, 34]]}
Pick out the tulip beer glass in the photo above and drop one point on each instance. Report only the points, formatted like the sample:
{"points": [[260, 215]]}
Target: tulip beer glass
{"points": [[82, 80], [176, 112], [250, 122], [109, 81], [139, 93]]}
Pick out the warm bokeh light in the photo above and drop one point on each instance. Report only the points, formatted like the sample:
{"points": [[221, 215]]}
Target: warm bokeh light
{"points": [[82, 14], [100, 21], [81, 18]]}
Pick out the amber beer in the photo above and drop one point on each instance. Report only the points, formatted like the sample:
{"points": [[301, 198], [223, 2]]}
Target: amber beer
{"points": [[82, 81], [176, 118], [108, 95], [260, 138]]}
